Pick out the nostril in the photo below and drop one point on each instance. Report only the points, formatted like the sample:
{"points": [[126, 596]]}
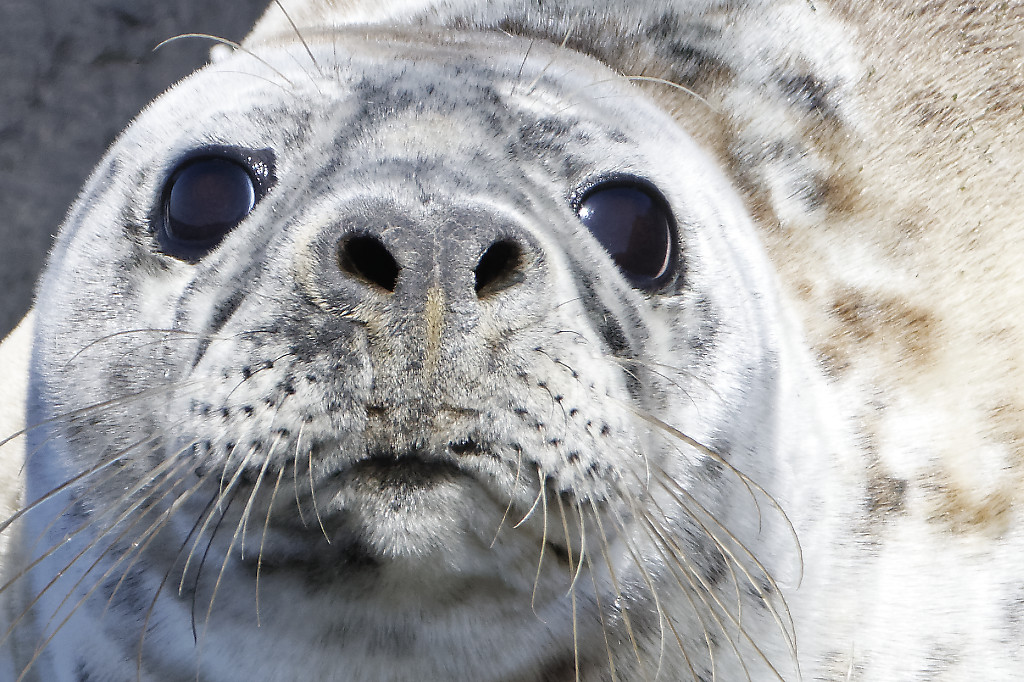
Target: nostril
{"points": [[368, 259], [499, 268]]}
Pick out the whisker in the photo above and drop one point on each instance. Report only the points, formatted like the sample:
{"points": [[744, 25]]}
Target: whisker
{"points": [[239, 532], [526, 58], [641, 564], [263, 540], [543, 539], [92, 544], [512, 494], [222, 491], [91, 523], [120, 401], [202, 561], [129, 332], [302, 39], [670, 543], [573, 573], [786, 628], [312, 496], [750, 484], [583, 545], [244, 522], [677, 86], [536, 502], [676, 559], [224, 41], [568, 543], [615, 582], [565, 41], [604, 623], [167, 574], [71, 482], [149, 533], [295, 475]]}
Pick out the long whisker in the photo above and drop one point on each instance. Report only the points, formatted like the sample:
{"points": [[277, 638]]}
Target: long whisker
{"points": [[166, 577], [230, 43], [70, 415], [127, 512], [295, 475], [206, 553], [263, 540], [605, 548], [129, 332], [312, 497], [149, 532], [244, 523], [239, 530], [678, 563], [677, 86], [573, 573], [641, 564], [302, 39], [601, 617], [512, 494], [91, 524], [223, 489], [543, 539], [750, 484], [787, 628], [675, 559]]}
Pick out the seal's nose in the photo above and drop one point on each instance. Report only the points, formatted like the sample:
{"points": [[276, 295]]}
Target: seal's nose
{"points": [[431, 290], [367, 259]]}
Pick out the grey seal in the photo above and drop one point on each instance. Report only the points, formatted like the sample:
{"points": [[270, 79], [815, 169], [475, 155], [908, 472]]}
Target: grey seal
{"points": [[493, 342]]}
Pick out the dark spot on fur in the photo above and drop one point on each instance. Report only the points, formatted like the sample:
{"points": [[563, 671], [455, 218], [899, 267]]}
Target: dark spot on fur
{"points": [[808, 91], [886, 495], [82, 673]]}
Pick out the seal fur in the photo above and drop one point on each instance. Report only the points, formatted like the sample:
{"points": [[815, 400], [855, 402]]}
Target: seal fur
{"points": [[779, 464]]}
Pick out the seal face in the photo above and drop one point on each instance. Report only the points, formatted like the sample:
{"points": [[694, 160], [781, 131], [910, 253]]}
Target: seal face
{"points": [[396, 344], [394, 353]]}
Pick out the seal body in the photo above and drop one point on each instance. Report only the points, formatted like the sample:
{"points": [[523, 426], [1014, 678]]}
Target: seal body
{"points": [[559, 341]]}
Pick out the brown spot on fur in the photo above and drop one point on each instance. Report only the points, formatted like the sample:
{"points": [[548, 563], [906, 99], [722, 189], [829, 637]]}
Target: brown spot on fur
{"points": [[904, 329], [833, 358], [841, 193], [1006, 421], [963, 511], [804, 290]]}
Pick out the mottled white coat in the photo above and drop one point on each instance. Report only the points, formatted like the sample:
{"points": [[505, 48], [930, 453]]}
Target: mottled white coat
{"points": [[798, 457]]}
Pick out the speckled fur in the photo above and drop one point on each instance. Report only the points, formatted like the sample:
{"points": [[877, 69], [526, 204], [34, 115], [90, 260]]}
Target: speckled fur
{"points": [[831, 380]]}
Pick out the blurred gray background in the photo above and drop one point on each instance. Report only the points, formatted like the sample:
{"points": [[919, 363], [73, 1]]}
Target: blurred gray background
{"points": [[72, 74]]}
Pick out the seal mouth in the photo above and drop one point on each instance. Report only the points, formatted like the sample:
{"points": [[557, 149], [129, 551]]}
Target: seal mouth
{"points": [[411, 471]]}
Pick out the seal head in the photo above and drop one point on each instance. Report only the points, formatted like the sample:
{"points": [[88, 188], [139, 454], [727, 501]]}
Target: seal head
{"points": [[421, 353]]}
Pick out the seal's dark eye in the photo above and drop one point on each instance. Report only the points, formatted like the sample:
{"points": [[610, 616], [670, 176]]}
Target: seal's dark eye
{"points": [[205, 199], [634, 224]]}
